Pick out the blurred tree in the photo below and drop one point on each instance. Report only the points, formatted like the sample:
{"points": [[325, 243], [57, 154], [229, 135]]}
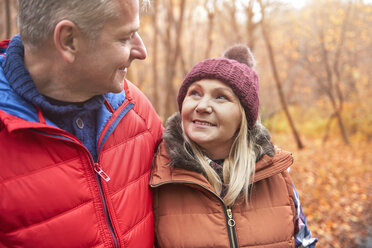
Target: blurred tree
{"points": [[8, 19], [277, 79], [155, 96], [172, 44], [210, 9], [330, 31], [230, 25], [230, 6], [251, 25], [320, 52]]}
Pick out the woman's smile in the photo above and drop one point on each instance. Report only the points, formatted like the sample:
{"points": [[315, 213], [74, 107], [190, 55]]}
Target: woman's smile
{"points": [[211, 114]]}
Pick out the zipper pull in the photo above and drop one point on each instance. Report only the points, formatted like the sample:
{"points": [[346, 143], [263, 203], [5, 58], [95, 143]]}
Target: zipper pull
{"points": [[100, 172], [231, 221]]}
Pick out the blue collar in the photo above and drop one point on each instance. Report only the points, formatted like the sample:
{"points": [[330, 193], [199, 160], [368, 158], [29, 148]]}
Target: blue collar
{"points": [[20, 80]]}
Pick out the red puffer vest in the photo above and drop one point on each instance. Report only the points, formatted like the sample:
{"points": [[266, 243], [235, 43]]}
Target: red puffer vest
{"points": [[52, 194]]}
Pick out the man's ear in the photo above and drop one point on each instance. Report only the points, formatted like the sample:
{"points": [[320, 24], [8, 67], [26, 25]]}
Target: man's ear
{"points": [[66, 38]]}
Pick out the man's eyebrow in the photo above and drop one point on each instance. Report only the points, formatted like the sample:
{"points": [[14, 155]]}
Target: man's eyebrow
{"points": [[134, 27], [128, 32], [134, 30]]}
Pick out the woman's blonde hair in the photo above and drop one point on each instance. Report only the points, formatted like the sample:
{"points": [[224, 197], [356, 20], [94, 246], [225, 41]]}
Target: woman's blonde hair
{"points": [[238, 168]]}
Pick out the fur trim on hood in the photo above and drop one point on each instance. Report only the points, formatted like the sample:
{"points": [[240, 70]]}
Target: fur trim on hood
{"points": [[180, 158]]}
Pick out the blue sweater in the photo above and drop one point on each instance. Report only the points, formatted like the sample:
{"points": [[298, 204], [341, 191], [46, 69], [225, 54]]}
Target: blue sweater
{"points": [[78, 119]]}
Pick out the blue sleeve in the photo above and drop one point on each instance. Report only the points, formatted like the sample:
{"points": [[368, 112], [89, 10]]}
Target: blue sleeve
{"points": [[302, 235]]}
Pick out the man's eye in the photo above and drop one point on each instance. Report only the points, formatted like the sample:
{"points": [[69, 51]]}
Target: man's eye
{"points": [[128, 38]]}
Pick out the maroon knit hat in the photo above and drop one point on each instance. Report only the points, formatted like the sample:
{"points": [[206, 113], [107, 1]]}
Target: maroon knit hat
{"points": [[234, 69]]}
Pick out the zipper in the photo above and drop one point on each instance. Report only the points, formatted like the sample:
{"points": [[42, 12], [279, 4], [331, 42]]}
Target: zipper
{"points": [[231, 226], [107, 217], [98, 169], [230, 222], [99, 173]]}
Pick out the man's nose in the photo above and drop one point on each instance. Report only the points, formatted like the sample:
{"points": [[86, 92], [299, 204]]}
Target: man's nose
{"points": [[138, 50]]}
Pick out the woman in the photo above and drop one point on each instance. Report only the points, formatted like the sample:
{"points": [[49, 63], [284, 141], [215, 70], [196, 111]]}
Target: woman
{"points": [[218, 181]]}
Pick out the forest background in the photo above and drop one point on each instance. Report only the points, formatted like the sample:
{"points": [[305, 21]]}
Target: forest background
{"points": [[314, 63]]}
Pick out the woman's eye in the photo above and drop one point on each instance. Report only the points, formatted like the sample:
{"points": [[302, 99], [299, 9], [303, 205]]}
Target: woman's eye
{"points": [[222, 97], [194, 93]]}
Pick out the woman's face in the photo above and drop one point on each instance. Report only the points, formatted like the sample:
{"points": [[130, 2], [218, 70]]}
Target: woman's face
{"points": [[211, 116]]}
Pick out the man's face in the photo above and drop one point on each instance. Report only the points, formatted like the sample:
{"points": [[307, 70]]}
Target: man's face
{"points": [[102, 64]]}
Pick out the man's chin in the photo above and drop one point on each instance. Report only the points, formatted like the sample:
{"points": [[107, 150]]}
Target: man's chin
{"points": [[119, 87]]}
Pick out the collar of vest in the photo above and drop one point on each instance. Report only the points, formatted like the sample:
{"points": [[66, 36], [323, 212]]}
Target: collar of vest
{"points": [[163, 171], [269, 166], [173, 162], [17, 113]]}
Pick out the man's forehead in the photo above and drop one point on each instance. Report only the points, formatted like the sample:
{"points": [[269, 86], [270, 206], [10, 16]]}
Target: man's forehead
{"points": [[126, 5], [129, 9], [127, 18]]}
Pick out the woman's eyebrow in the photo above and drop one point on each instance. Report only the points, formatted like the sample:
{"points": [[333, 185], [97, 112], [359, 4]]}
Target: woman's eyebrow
{"points": [[225, 89]]}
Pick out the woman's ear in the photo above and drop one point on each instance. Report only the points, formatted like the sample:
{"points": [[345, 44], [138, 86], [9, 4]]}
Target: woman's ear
{"points": [[66, 39]]}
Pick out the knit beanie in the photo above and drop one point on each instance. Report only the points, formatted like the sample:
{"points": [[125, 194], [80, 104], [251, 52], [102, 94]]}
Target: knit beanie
{"points": [[234, 69]]}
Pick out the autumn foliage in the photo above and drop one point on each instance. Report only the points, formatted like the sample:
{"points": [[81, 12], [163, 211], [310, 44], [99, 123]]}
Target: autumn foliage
{"points": [[314, 65], [334, 185]]}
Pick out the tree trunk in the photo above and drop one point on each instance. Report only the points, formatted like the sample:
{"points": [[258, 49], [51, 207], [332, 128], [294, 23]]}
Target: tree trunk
{"points": [[251, 25], [234, 32], [334, 86], [337, 72], [8, 19], [211, 14], [155, 96], [328, 128], [277, 79], [173, 55], [337, 113]]}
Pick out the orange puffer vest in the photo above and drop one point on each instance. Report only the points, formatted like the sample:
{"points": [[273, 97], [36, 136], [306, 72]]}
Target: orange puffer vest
{"points": [[189, 213]]}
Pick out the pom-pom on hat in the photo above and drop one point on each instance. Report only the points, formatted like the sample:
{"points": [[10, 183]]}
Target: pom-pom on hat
{"points": [[234, 69]]}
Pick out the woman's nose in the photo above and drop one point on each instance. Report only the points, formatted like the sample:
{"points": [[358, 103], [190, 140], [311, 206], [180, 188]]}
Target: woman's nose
{"points": [[203, 106]]}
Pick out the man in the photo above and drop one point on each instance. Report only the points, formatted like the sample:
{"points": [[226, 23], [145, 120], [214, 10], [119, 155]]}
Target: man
{"points": [[76, 138]]}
